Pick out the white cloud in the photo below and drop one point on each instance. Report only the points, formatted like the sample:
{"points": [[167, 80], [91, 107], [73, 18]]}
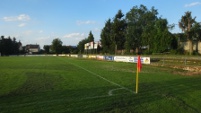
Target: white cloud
{"points": [[74, 35], [8, 19], [43, 41], [28, 32], [192, 4], [21, 17], [79, 22], [73, 38], [22, 25], [41, 31], [97, 30]]}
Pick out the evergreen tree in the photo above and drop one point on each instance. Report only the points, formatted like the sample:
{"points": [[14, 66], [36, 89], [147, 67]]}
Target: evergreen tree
{"points": [[106, 40], [90, 37], [118, 31]]}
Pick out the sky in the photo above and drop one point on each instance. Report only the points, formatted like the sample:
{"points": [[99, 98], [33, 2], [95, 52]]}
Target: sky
{"points": [[41, 21]]}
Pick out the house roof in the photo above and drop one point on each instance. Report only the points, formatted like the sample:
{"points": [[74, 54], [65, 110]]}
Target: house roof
{"points": [[32, 46]]}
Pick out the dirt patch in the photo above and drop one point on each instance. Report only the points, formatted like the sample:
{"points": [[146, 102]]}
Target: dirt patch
{"points": [[187, 73], [183, 70], [188, 70]]}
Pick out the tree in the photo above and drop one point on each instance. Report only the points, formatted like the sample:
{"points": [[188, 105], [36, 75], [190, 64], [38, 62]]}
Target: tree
{"points": [[146, 30], [91, 37], [186, 23], [46, 49], [106, 40], [56, 46], [65, 49], [197, 33], [148, 22], [161, 41], [81, 44], [15, 46], [118, 31], [9, 46], [140, 24], [174, 42]]}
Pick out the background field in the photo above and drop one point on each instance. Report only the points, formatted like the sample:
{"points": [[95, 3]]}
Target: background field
{"points": [[61, 84]]}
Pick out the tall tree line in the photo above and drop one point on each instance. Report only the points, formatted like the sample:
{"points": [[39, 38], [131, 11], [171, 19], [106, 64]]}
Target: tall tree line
{"points": [[142, 28], [9, 46]]}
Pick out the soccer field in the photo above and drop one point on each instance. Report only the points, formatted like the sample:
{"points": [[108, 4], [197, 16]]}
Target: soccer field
{"points": [[73, 85]]}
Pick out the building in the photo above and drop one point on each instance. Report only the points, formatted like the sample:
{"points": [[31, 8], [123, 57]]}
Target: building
{"points": [[92, 47], [32, 48], [196, 46]]}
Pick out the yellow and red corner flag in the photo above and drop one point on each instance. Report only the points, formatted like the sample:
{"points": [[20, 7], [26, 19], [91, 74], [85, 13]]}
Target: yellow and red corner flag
{"points": [[139, 66]]}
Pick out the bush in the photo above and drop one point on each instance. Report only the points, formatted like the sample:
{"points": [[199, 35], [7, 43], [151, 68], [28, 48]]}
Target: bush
{"points": [[173, 52], [147, 52], [195, 53], [180, 50]]}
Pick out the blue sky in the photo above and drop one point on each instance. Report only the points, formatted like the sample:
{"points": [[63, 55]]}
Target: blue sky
{"points": [[40, 21]]}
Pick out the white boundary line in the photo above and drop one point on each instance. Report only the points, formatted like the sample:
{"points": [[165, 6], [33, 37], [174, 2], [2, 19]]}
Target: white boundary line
{"points": [[104, 96], [59, 100], [122, 87], [110, 92]]}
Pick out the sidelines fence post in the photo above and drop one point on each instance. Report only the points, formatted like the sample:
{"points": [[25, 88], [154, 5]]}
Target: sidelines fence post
{"points": [[185, 61]]}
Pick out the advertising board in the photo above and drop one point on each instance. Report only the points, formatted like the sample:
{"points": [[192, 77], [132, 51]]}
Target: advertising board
{"points": [[92, 56], [120, 58], [75, 56], [130, 59], [100, 57], [85, 56], [144, 60], [109, 58]]}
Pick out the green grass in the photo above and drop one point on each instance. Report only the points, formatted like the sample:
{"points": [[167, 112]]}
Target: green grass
{"points": [[61, 84]]}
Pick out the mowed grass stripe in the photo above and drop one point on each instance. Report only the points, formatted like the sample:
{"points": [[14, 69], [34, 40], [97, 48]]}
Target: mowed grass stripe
{"points": [[13, 73]]}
